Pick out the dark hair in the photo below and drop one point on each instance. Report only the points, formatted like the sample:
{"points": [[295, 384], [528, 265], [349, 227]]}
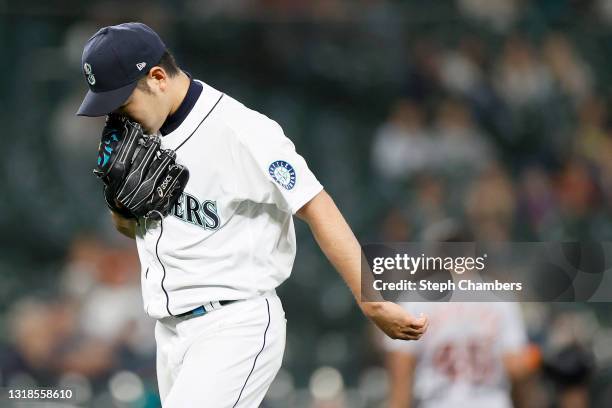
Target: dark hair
{"points": [[168, 63]]}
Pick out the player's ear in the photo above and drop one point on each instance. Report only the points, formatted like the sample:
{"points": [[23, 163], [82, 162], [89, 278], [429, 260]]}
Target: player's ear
{"points": [[159, 77]]}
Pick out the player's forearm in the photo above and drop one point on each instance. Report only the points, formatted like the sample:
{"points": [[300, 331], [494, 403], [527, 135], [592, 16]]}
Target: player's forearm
{"points": [[400, 367], [399, 398], [339, 244], [399, 391], [335, 239], [125, 226]]}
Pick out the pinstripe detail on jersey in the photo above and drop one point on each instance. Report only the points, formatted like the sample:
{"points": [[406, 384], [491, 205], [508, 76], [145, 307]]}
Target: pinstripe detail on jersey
{"points": [[200, 124], [161, 225], [162, 221], [255, 361]]}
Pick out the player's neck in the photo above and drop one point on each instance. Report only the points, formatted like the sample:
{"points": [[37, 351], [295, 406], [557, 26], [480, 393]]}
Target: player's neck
{"points": [[180, 88]]}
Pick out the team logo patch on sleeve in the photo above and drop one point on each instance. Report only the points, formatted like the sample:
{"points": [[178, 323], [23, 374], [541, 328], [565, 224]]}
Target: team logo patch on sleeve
{"points": [[283, 173]]}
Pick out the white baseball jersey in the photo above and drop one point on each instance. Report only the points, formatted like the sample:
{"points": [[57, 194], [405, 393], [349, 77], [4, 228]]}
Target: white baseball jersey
{"points": [[459, 359], [231, 235]]}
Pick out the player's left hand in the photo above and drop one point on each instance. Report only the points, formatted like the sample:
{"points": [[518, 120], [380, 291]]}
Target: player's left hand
{"points": [[140, 178], [395, 321]]}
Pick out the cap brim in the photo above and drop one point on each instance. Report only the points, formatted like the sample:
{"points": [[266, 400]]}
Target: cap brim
{"points": [[103, 103]]}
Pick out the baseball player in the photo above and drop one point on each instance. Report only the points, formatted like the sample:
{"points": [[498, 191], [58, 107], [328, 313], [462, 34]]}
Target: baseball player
{"points": [[211, 265], [471, 354]]}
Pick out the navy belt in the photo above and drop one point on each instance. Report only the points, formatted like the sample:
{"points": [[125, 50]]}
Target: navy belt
{"points": [[202, 310]]}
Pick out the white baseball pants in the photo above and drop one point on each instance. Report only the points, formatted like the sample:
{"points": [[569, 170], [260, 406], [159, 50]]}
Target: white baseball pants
{"points": [[225, 358]]}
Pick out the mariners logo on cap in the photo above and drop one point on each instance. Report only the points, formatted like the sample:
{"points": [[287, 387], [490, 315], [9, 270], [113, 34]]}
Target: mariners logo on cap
{"points": [[89, 74], [283, 173]]}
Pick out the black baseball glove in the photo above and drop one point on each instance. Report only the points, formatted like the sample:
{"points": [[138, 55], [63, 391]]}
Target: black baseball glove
{"points": [[140, 178]]}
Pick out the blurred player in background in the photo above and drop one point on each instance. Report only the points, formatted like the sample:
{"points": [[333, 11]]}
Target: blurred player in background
{"points": [[470, 357]]}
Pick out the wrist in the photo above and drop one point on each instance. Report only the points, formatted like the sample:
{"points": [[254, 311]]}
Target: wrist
{"points": [[371, 308]]}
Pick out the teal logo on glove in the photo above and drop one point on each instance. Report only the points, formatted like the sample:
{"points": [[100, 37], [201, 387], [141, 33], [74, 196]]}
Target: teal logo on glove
{"points": [[106, 152]]}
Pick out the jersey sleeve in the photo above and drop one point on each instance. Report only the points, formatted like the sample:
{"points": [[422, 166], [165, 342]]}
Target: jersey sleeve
{"points": [[271, 169]]}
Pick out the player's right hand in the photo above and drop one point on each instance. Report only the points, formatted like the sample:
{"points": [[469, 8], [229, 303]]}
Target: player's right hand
{"points": [[126, 226], [395, 321]]}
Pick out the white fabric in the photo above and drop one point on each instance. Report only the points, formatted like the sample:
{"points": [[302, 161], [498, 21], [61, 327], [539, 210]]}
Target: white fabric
{"points": [[232, 234], [225, 358], [460, 358]]}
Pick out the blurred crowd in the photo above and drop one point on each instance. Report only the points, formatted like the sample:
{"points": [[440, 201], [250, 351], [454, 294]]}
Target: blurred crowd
{"points": [[490, 116], [89, 336], [517, 144], [508, 143]]}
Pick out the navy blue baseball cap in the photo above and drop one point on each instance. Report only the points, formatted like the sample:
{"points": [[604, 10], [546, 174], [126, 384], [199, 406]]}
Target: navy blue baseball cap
{"points": [[114, 59]]}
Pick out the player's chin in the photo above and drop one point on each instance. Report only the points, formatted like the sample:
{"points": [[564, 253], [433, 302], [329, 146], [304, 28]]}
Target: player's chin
{"points": [[149, 130]]}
